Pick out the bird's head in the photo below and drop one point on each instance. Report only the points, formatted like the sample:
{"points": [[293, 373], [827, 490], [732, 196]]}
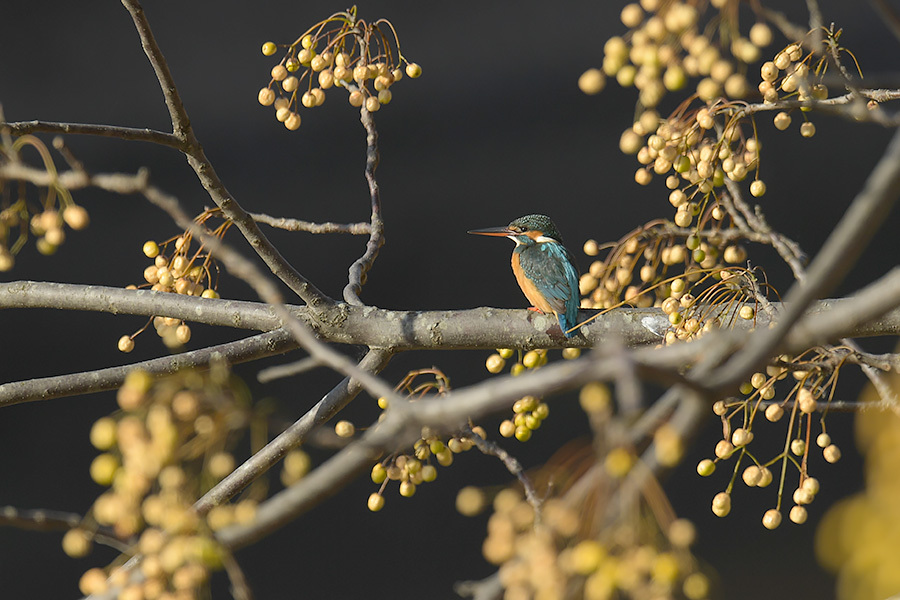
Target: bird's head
{"points": [[536, 228]]}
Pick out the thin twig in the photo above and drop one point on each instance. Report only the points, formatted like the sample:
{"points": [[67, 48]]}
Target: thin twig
{"points": [[512, 465], [56, 520], [359, 269], [310, 227], [123, 133]]}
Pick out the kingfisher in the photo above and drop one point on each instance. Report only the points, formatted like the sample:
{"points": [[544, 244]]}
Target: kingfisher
{"points": [[543, 267]]}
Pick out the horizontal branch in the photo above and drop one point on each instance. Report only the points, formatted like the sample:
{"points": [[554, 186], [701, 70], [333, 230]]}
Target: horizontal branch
{"points": [[46, 388], [473, 329], [113, 131]]}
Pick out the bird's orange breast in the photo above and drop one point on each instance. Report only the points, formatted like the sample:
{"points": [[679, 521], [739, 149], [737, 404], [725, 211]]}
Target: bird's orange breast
{"points": [[528, 288]]}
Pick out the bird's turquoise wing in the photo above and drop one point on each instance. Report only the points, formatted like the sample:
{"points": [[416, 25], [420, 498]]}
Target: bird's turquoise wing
{"points": [[550, 267]]}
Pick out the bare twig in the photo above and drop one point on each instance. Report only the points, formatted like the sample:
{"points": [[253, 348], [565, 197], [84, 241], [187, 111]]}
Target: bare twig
{"points": [[113, 131], [512, 465], [309, 227], [358, 270], [55, 520]]}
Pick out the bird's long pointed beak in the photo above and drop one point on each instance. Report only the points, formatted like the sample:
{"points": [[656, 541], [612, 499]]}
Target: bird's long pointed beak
{"points": [[494, 231]]}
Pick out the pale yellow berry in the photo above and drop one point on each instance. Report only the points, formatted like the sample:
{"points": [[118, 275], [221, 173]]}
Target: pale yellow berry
{"points": [[782, 121], [507, 428], [372, 104], [76, 216], [752, 475], [344, 429], [721, 504], [746, 312], [103, 468], [356, 98], [741, 437], [757, 188], [706, 467], [832, 453], [289, 85], [76, 543], [760, 35], [470, 501], [375, 502], [798, 515], [774, 412], [823, 440], [631, 15], [724, 448], [269, 48], [494, 363], [772, 519], [413, 70], [125, 344], [93, 582], [266, 97], [279, 72], [407, 489], [766, 477], [103, 433], [282, 114], [385, 96], [592, 81], [293, 121], [798, 447], [807, 129]]}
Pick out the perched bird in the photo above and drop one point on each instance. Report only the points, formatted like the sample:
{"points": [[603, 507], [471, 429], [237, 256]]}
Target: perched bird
{"points": [[543, 267]]}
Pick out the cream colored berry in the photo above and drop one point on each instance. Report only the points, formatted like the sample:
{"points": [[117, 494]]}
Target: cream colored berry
{"points": [[798, 447], [774, 412], [293, 121], [706, 467], [375, 502], [125, 344], [413, 70], [372, 104], [724, 449], [798, 515], [752, 475], [823, 440], [832, 453], [279, 72], [721, 504], [344, 429], [592, 81], [757, 188], [772, 519], [807, 129]]}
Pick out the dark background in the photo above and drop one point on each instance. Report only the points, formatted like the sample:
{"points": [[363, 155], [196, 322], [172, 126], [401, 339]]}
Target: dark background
{"points": [[494, 129]]}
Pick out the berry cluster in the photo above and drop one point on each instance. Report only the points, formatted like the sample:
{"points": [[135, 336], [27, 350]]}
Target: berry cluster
{"points": [[176, 269], [528, 412], [341, 51], [560, 554], [814, 385], [415, 468], [166, 446], [46, 219], [667, 43]]}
